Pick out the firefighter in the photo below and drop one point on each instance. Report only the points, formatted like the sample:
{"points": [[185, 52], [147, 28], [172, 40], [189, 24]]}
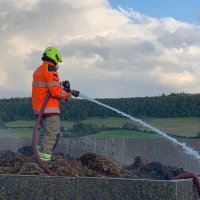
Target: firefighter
{"points": [[45, 80]]}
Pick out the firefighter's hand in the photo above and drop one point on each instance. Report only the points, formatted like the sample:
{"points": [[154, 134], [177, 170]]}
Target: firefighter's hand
{"points": [[68, 96], [66, 85], [75, 93]]}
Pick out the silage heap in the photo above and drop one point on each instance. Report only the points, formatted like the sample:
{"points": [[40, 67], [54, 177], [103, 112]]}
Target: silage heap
{"points": [[87, 165]]}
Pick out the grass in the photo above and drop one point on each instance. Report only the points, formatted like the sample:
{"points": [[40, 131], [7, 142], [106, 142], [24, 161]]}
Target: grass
{"points": [[16, 132], [108, 122], [187, 127], [20, 123], [124, 134], [26, 123], [68, 124]]}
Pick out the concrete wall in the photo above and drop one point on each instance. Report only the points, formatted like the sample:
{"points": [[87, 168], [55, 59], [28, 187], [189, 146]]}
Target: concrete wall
{"points": [[13, 143], [14, 187], [122, 150]]}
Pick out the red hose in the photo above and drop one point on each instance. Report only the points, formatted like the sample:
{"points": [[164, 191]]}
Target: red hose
{"points": [[190, 175], [34, 139]]}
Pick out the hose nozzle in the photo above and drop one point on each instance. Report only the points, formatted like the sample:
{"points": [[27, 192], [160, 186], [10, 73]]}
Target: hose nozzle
{"points": [[75, 93]]}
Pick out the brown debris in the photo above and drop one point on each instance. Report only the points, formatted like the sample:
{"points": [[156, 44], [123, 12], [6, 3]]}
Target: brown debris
{"points": [[88, 165], [101, 164], [153, 170], [73, 168]]}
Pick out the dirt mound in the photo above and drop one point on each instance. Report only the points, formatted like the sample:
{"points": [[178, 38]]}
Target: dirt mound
{"points": [[6, 154], [153, 170], [101, 164], [88, 165], [26, 151]]}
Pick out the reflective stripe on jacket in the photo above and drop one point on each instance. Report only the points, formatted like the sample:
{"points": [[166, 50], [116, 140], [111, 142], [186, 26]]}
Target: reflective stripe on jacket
{"points": [[45, 79]]}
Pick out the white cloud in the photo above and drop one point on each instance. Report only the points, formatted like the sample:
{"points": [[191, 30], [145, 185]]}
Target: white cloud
{"points": [[127, 53], [173, 78], [23, 5], [3, 78], [21, 46]]}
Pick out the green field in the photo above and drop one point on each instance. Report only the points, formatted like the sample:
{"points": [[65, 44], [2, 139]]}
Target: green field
{"points": [[20, 123], [109, 122], [16, 132], [124, 134], [187, 127]]}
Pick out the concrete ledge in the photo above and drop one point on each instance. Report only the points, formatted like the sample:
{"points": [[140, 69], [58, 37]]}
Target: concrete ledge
{"points": [[14, 187], [36, 187]]}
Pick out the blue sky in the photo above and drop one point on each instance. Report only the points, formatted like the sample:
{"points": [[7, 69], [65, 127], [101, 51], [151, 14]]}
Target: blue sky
{"points": [[183, 10]]}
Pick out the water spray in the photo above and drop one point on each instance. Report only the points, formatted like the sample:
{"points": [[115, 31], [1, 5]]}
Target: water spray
{"points": [[187, 149]]}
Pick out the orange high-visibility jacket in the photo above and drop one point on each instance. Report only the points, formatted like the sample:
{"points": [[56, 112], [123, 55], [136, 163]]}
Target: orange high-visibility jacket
{"points": [[45, 79]]}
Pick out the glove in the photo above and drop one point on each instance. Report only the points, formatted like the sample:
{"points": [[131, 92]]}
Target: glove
{"points": [[68, 96], [75, 93], [66, 85]]}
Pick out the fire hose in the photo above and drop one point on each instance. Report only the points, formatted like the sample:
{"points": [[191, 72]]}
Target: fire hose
{"points": [[35, 133], [34, 139], [188, 175]]}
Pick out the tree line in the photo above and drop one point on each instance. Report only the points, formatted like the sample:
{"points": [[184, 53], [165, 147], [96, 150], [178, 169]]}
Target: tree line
{"points": [[82, 129], [163, 106]]}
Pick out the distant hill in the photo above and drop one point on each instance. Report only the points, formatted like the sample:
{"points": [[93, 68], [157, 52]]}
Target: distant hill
{"points": [[163, 106]]}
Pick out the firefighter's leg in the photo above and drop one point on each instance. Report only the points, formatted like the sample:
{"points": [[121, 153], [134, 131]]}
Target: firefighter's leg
{"points": [[51, 130]]}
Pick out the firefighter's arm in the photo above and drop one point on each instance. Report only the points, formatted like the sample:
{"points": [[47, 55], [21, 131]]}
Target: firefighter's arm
{"points": [[54, 84]]}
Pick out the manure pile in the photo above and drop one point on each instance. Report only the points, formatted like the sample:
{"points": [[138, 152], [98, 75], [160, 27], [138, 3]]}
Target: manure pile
{"points": [[88, 165]]}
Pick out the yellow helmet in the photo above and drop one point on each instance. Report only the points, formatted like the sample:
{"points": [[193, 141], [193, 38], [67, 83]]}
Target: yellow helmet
{"points": [[53, 54]]}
